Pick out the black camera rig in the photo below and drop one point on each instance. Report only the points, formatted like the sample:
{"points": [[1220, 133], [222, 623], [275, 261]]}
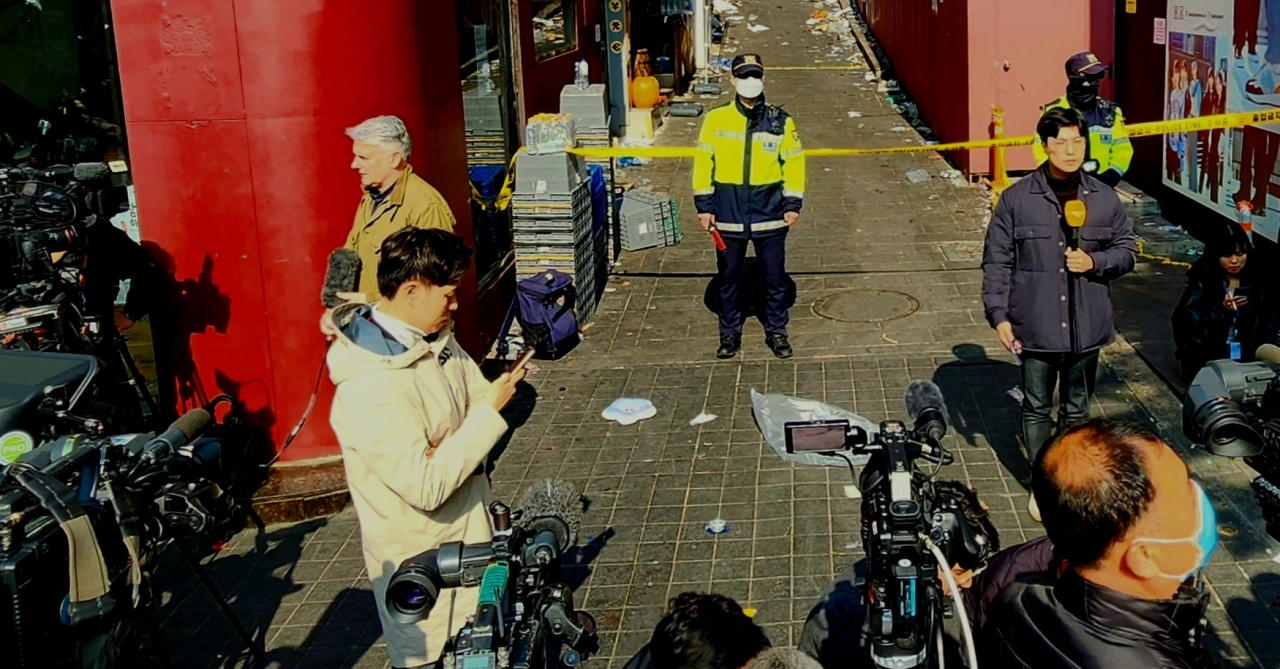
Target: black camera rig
{"points": [[525, 618], [1233, 409], [914, 529], [82, 521]]}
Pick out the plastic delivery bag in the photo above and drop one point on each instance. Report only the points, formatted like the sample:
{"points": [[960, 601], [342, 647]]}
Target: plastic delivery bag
{"points": [[773, 412]]}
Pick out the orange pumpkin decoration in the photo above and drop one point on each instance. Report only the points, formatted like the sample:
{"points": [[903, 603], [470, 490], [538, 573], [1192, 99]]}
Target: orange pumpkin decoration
{"points": [[644, 86], [644, 92]]}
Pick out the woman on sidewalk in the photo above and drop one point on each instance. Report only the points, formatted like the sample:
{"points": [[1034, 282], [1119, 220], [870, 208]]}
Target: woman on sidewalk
{"points": [[1223, 314]]}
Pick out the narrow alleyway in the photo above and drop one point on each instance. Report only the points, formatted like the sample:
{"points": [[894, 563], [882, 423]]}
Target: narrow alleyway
{"points": [[888, 280]]}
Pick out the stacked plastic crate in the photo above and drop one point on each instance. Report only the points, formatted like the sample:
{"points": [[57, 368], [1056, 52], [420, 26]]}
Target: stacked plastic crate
{"points": [[486, 139], [589, 107], [648, 221], [552, 222]]}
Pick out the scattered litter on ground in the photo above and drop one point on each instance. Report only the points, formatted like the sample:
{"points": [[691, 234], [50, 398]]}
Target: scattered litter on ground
{"points": [[757, 27], [950, 174], [629, 410], [821, 14], [786, 44], [703, 419], [916, 175], [1016, 393], [724, 6], [632, 161], [717, 526], [899, 128], [854, 114], [888, 339], [610, 289], [870, 76]]}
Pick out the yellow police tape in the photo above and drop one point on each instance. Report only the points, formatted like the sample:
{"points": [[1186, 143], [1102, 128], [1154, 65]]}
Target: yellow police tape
{"points": [[1215, 122]]}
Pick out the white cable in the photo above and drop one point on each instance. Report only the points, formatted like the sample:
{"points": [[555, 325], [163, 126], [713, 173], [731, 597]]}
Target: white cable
{"points": [[942, 651], [955, 597]]}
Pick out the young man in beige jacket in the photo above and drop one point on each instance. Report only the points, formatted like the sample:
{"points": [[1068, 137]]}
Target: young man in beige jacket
{"points": [[416, 420]]}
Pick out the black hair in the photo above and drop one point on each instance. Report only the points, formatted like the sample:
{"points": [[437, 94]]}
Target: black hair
{"points": [[435, 256], [1230, 239], [1223, 241], [1085, 512], [705, 631], [1058, 118]]}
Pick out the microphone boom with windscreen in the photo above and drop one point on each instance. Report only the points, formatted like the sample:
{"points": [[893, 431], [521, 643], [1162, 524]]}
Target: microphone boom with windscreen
{"points": [[342, 276]]}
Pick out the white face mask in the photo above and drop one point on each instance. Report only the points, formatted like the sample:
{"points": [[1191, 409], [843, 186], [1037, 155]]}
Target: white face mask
{"points": [[751, 87]]}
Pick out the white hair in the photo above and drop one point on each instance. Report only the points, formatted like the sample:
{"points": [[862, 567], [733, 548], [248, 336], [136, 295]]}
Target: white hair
{"points": [[388, 131], [783, 658]]}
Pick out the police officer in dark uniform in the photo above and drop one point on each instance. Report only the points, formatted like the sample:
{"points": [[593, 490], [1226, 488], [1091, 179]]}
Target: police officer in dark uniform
{"points": [[748, 183], [1110, 150]]}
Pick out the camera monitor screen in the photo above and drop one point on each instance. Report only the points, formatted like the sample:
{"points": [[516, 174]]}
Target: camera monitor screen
{"points": [[822, 436]]}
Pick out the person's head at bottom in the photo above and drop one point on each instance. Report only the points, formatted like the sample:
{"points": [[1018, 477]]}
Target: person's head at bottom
{"points": [[705, 631], [1065, 135], [1122, 509], [783, 658], [418, 276]]}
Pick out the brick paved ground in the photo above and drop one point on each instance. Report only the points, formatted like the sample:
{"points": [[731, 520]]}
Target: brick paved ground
{"points": [[900, 250]]}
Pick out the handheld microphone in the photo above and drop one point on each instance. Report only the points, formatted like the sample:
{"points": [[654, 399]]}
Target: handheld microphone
{"points": [[342, 276], [1075, 213], [926, 407], [1268, 353]]}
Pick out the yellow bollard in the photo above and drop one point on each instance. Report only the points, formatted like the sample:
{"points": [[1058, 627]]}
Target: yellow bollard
{"points": [[999, 175]]}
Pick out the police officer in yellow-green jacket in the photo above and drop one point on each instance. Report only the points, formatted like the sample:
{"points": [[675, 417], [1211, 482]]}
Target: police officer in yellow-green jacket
{"points": [[1110, 150], [748, 183]]}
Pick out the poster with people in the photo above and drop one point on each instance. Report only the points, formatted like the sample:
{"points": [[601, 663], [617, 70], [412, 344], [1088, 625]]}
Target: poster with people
{"points": [[1220, 60]]}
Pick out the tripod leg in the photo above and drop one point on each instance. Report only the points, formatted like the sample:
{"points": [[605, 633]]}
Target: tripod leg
{"points": [[230, 615], [136, 379]]}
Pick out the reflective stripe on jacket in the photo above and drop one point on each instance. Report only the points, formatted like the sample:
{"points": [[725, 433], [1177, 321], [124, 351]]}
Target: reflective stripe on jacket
{"points": [[1108, 139], [748, 185]]}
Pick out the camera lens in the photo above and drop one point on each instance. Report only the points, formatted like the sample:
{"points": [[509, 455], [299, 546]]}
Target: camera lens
{"points": [[411, 596], [1226, 430]]}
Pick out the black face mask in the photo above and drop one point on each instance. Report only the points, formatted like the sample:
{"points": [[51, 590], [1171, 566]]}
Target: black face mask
{"points": [[1083, 91]]}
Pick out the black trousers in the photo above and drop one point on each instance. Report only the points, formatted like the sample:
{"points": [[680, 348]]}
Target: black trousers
{"points": [[1073, 375], [771, 251]]}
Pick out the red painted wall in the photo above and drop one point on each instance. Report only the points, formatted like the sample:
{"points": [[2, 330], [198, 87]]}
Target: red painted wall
{"points": [[543, 80], [236, 111], [958, 61], [926, 51]]}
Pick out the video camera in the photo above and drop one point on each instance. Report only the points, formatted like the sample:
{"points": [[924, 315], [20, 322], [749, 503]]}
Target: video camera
{"points": [[525, 617], [82, 521], [1233, 409], [914, 528]]}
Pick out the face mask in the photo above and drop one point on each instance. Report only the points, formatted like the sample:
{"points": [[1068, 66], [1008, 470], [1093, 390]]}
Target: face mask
{"points": [[1206, 537], [749, 88], [1083, 91]]}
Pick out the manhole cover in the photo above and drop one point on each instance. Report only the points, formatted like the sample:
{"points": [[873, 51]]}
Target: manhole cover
{"points": [[961, 251], [865, 306]]}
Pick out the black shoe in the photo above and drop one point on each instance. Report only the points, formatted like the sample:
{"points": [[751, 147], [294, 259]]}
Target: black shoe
{"points": [[729, 345], [779, 345]]}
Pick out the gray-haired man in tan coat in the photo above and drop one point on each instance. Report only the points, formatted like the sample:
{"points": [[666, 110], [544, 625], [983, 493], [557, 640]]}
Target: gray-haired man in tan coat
{"points": [[416, 420]]}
